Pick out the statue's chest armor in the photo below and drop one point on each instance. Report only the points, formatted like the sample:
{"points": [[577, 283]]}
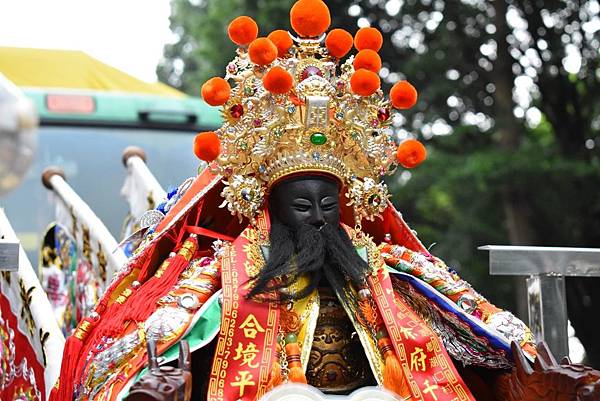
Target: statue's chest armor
{"points": [[337, 362]]}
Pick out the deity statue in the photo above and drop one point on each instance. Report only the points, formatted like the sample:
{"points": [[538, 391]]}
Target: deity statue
{"points": [[284, 261]]}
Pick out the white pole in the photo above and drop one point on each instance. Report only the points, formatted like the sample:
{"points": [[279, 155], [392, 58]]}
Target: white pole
{"points": [[141, 189], [53, 179]]}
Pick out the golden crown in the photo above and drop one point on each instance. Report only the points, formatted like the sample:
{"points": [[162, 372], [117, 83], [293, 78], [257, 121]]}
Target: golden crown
{"points": [[293, 107]]}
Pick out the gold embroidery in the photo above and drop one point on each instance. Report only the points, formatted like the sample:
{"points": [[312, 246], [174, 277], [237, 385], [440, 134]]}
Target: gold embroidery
{"points": [[82, 330], [244, 379], [87, 247], [251, 327], [150, 200], [255, 260], [124, 295], [430, 389], [186, 253], [407, 332], [247, 354], [26, 314], [161, 270], [349, 302], [102, 263], [417, 360]]}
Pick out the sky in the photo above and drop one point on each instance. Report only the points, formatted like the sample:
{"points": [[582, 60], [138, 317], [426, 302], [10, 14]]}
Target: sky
{"points": [[126, 34]]}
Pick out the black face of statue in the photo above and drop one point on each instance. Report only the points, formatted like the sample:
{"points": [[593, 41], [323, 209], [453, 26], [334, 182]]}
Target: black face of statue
{"points": [[306, 239], [306, 200]]}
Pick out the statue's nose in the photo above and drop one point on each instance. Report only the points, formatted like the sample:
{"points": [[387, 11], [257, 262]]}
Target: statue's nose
{"points": [[317, 218]]}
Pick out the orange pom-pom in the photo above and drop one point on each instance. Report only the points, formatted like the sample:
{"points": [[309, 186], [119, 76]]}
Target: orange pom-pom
{"points": [[207, 146], [411, 153], [338, 42], [262, 51], [282, 40], [367, 59], [364, 82], [242, 30], [277, 80], [368, 38], [216, 91], [403, 95], [310, 18]]}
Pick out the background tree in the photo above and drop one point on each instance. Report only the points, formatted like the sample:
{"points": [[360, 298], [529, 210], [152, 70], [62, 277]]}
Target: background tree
{"points": [[203, 49], [508, 109]]}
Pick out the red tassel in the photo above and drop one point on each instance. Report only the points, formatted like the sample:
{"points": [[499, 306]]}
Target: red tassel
{"points": [[162, 282], [71, 354], [138, 304], [67, 379], [75, 348], [144, 298]]}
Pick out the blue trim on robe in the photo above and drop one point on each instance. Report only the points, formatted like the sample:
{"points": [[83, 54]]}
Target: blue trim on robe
{"points": [[496, 339]]}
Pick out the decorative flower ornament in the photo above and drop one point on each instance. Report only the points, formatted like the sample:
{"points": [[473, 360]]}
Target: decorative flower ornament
{"points": [[368, 197], [243, 196], [291, 106]]}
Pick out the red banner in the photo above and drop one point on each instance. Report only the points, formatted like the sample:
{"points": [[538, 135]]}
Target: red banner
{"points": [[22, 375], [248, 337], [425, 362]]}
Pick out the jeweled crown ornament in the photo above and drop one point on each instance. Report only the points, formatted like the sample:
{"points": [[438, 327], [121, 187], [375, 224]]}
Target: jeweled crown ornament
{"points": [[291, 106]]}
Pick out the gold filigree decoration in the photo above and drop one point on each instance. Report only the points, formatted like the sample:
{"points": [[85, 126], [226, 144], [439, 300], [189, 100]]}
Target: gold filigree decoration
{"points": [[44, 335], [255, 260], [85, 237], [150, 200], [6, 276], [369, 197], [73, 222], [243, 195], [26, 315], [102, 262]]}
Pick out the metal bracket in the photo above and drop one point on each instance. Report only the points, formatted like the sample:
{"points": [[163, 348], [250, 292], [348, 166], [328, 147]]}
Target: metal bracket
{"points": [[9, 255]]}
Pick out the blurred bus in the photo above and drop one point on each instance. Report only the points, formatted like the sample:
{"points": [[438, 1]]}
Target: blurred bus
{"points": [[89, 112]]}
